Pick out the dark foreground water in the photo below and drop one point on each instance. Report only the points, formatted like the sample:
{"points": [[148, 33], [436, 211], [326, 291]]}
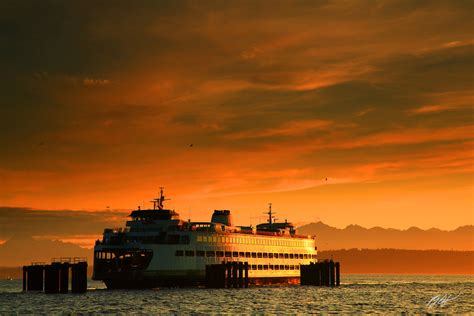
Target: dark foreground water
{"points": [[357, 294]]}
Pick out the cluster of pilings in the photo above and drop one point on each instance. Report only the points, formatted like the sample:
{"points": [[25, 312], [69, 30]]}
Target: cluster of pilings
{"points": [[324, 273], [54, 278], [227, 275]]}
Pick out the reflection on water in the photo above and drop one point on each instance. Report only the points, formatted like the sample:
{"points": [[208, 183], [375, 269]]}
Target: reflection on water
{"points": [[358, 293]]}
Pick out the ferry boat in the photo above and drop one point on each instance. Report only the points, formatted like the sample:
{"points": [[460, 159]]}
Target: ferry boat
{"points": [[157, 248]]}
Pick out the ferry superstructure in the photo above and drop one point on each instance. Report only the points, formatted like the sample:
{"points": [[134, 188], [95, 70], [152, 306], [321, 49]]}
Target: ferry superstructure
{"points": [[157, 248]]}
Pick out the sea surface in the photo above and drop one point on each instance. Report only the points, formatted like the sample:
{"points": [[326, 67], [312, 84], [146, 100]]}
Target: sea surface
{"points": [[357, 294]]}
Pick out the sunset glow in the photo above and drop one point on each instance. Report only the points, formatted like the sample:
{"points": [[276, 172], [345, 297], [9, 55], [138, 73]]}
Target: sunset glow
{"points": [[329, 110]]}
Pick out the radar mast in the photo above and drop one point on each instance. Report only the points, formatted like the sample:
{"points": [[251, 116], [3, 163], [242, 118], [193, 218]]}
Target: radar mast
{"points": [[271, 218]]}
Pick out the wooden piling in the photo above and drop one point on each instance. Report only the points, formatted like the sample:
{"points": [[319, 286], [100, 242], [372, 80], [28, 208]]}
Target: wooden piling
{"points": [[229, 274], [79, 277], [240, 274], [317, 274], [332, 276], [34, 277], [51, 278], [327, 272], [24, 278], [338, 279], [235, 281], [246, 272], [64, 278]]}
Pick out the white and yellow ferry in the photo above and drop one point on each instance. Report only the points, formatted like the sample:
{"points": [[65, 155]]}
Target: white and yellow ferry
{"points": [[157, 248]]}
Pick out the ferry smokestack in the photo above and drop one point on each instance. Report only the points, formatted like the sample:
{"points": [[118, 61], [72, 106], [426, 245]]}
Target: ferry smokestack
{"points": [[222, 217]]}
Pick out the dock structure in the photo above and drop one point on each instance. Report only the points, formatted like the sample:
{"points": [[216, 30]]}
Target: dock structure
{"points": [[324, 273], [227, 275], [54, 278]]}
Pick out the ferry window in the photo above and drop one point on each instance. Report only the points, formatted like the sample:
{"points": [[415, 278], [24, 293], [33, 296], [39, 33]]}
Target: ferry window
{"points": [[314, 256], [241, 254], [265, 255], [281, 256], [227, 253], [286, 256], [301, 256], [291, 256], [260, 267], [265, 267], [292, 267], [221, 239], [210, 254], [271, 267], [277, 267], [204, 238], [287, 267], [282, 267], [305, 256], [247, 255], [270, 255], [254, 255], [199, 238], [214, 239], [189, 253], [227, 240], [178, 253], [275, 255], [235, 254], [254, 267], [200, 253], [297, 267], [259, 255], [220, 253]]}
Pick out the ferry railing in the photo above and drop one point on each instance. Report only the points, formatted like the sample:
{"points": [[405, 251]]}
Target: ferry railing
{"points": [[69, 260]]}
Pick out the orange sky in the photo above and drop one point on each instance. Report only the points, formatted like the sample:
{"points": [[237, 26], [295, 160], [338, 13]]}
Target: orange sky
{"points": [[100, 103]]}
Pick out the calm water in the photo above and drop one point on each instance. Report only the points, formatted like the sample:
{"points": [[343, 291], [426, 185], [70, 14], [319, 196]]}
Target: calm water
{"points": [[357, 294]]}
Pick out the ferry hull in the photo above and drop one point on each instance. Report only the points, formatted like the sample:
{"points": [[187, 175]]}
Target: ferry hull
{"points": [[125, 281]]}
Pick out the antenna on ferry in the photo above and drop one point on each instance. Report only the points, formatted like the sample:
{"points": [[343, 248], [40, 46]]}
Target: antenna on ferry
{"points": [[271, 218], [161, 199]]}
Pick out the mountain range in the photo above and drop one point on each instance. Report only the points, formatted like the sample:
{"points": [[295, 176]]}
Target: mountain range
{"points": [[355, 236], [23, 250], [19, 251]]}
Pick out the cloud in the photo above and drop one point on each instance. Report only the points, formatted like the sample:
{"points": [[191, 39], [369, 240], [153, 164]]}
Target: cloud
{"points": [[60, 224], [272, 97], [291, 128]]}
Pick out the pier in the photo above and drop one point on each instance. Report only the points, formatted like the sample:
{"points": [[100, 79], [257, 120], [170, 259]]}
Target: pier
{"points": [[227, 275], [235, 274], [324, 273], [54, 278]]}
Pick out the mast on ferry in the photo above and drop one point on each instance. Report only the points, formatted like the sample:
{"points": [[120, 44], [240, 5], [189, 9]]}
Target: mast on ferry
{"points": [[158, 202], [271, 219]]}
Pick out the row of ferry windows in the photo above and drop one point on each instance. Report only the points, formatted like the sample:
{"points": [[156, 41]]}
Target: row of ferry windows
{"points": [[273, 267], [235, 254], [251, 241]]}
